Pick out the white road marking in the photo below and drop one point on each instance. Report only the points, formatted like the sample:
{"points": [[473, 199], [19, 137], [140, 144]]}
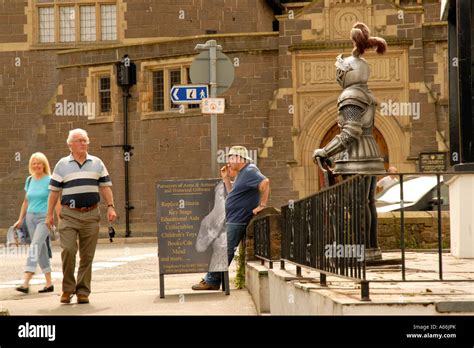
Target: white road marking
{"points": [[134, 257], [106, 264], [115, 262]]}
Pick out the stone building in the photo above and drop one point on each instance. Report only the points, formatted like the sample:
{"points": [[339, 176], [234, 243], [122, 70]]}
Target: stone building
{"points": [[58, 60]]}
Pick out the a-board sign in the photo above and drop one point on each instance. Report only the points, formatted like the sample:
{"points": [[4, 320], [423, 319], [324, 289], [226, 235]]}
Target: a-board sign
{"points": [[191, 226]]}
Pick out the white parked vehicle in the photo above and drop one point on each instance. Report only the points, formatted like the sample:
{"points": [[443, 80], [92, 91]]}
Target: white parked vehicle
{"points": [[419, 194]]}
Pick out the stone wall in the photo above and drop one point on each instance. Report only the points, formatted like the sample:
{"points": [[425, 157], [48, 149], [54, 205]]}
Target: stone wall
{"points": [[421, 230], [12, 19], [25, 90], [160, 18]]}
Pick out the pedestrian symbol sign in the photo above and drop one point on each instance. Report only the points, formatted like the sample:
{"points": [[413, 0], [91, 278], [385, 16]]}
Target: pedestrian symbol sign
{"points": [[188, 94]]}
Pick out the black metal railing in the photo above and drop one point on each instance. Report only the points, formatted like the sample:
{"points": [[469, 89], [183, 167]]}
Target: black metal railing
{"points": [[325, 231], [262, 243], [439, 223], [328, 231]]}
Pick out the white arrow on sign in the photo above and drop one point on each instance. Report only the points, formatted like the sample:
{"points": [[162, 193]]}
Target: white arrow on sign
{"points": [[175, 94]]}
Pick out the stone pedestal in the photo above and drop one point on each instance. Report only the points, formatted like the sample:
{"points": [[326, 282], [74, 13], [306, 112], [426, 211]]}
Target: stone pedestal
{"points": [[461, 206]]}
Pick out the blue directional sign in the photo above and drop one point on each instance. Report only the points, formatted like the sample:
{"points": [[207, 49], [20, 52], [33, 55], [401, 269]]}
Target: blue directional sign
{"points": [[189, 94]]}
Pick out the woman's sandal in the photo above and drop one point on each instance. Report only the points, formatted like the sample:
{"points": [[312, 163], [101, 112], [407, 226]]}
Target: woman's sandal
{"points": [[23, 290]]}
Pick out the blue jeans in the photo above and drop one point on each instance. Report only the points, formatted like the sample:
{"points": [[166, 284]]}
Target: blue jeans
{"points": [[38, 252], [235, 233]]}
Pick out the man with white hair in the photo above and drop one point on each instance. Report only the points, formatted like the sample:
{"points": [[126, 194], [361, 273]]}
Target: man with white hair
{"points": [[78, 178]]}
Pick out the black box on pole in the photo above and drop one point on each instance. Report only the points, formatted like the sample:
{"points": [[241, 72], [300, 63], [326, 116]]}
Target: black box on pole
{"points": [[126, 73]]}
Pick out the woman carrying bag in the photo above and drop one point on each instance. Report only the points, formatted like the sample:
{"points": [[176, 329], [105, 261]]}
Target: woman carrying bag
{"points": [[34, 208]]}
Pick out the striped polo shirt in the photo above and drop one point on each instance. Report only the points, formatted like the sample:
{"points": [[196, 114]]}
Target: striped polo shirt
{"points": [[79, 183]]}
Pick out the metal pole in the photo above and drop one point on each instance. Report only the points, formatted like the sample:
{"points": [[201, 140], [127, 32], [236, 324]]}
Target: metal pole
{"points": [[162, 285], [126, 149], [440, 227], [402, 227], [213, 82]]}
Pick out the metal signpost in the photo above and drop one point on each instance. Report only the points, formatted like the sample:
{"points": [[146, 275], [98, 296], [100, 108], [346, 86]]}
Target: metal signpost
{"points": [[210, 67], [214, 68]]}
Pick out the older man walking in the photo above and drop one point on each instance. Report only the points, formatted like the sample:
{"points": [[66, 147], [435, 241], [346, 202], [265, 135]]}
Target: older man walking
{"points": [[78, 178], [247, 196]]}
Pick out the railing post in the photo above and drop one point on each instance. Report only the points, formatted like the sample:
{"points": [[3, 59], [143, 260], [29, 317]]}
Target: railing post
{"points": [[364, 287], [322, 279], [402, 226], [440, 231]]}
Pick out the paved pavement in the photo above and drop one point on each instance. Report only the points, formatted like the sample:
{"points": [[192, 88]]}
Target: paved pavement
{"points": [[125, 281]]}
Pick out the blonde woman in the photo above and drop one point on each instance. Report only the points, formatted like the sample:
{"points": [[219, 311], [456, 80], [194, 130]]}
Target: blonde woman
{"points": [[33, 209]]}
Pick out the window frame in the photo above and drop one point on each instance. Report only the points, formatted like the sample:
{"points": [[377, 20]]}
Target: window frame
{"points": [[74, 20], [173, 106], [39, 28], [100, 23], [92, 93], [80, 20], [99, 94], [153, 78], [77, 4]]}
